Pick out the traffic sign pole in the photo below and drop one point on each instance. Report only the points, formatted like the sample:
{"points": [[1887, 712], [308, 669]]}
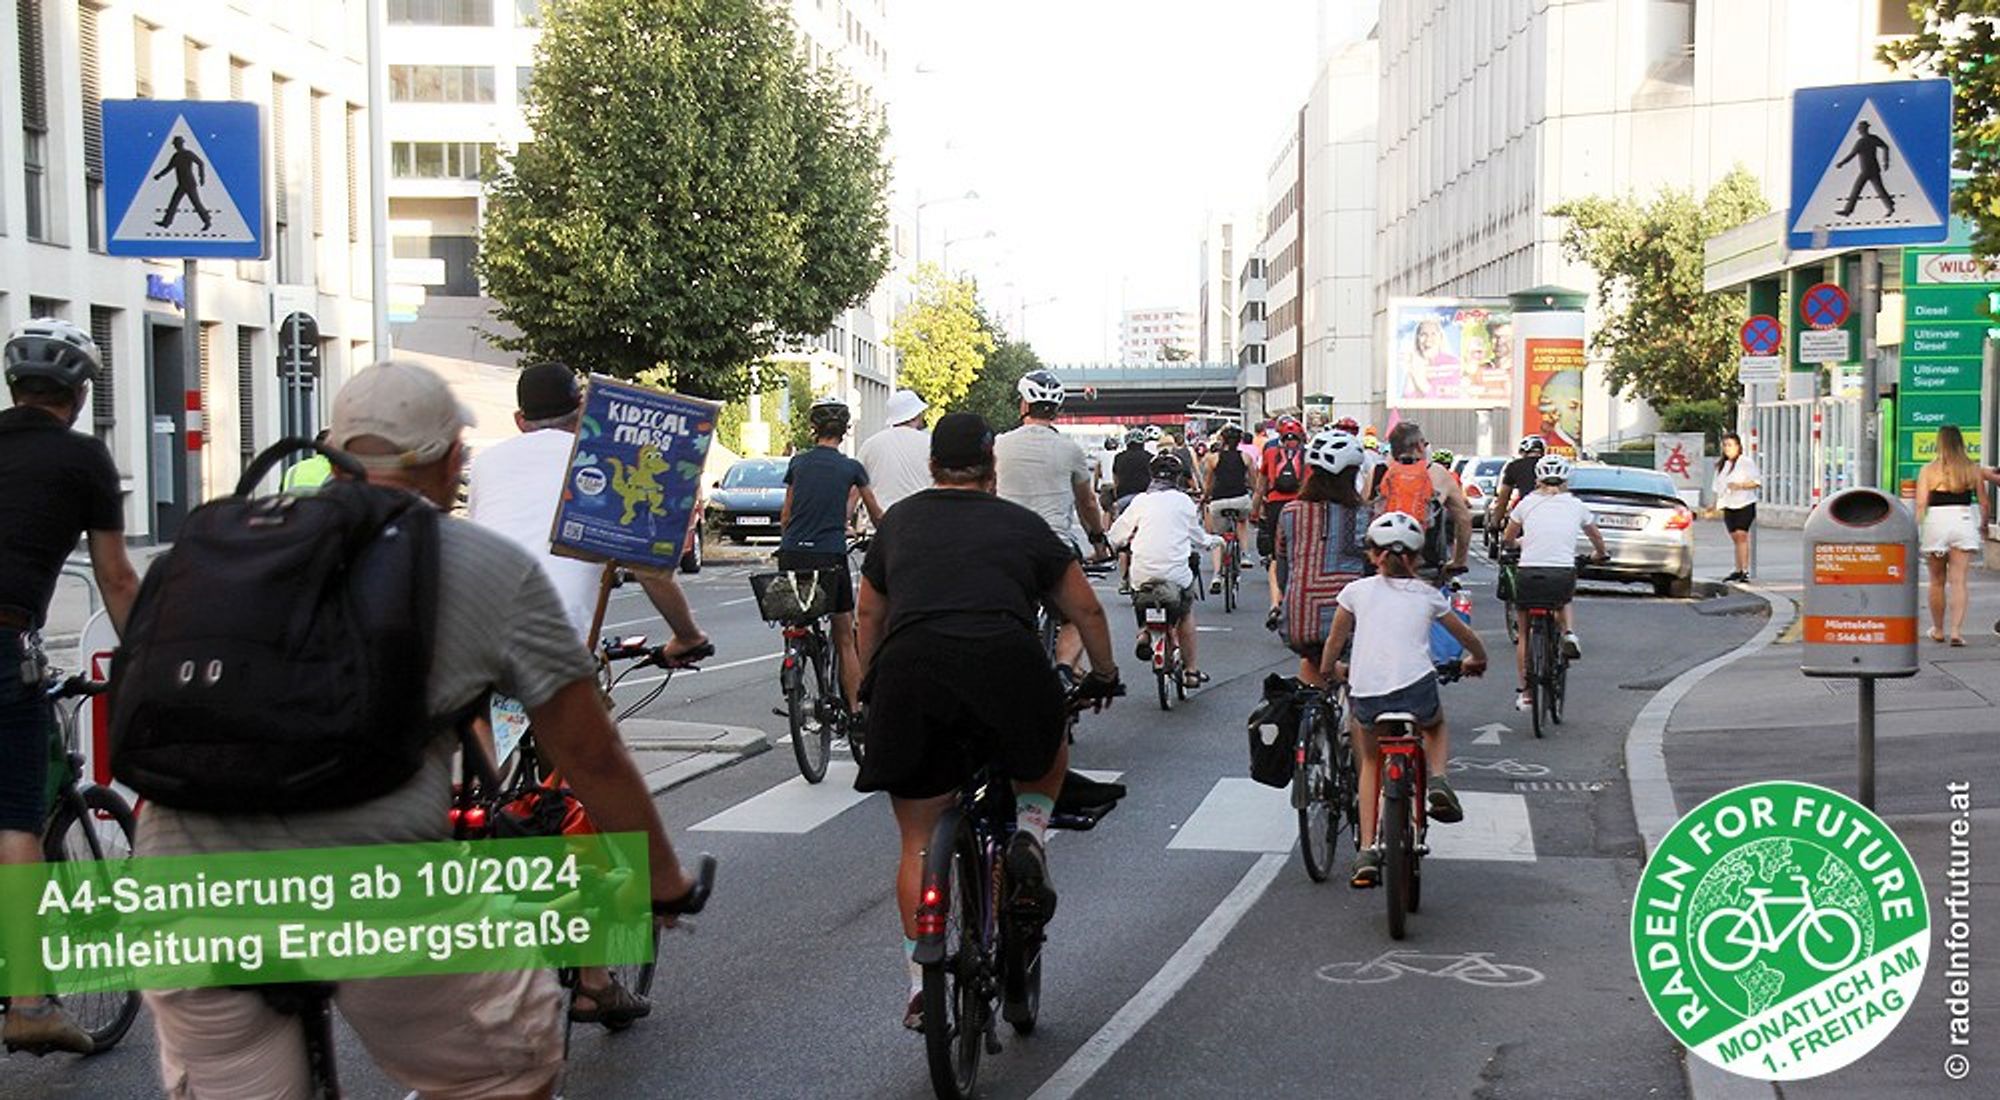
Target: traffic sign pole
{"points": [[1871, 370], [191, 373]]}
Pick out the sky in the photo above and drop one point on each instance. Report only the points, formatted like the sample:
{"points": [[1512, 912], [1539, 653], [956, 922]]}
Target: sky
{"points": [[1098, 135]]}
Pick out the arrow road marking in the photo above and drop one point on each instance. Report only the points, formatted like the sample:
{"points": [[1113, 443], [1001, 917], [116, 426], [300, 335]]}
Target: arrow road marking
{"points": [[1490, 734]]}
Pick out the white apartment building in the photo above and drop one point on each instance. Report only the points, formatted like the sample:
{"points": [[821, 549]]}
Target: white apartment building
{"points": [[1284, 182], [1492, 111], [1225, 240], [180, 432], [1337, 361], [1250, 299], [1157, 334], [457, 73]]}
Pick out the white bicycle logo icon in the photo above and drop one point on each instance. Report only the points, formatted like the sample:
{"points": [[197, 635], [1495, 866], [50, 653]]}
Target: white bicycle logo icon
{"points": [[1732, 938], [1508, 767], [1476, 968]]}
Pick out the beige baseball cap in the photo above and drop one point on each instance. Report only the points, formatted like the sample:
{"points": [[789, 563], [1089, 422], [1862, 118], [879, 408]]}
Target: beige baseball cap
{"points": [[403, 403]]}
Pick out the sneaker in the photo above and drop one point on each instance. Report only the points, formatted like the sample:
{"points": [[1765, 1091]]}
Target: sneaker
{"points": [[1524, 701], [1571, 647], [1271, 619], [1030, 897], [44, 1028], [1443, 802], [913, 1016], [1215, 587], [1124, 588], [1367, 869], [1143, 649]]}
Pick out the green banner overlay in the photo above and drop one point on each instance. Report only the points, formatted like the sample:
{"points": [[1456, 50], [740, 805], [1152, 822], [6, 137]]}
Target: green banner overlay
{"points": [[1780, 930], [324, 914]]}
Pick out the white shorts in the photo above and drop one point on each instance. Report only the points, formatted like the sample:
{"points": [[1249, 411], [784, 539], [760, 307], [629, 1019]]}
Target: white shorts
{"points": [[1950, 527]]}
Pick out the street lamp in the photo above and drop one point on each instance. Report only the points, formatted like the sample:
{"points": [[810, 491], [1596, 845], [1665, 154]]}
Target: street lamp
{"points": [[969, 196], [1021, 311], [949, 241]]}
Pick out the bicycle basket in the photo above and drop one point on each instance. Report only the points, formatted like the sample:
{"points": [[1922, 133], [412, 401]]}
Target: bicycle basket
{"points": [[1157, 594], [793, 597]]}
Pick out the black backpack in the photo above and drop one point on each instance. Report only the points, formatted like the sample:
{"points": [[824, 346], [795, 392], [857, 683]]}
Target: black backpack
{"points": [[276, 658], [1288, 479]]}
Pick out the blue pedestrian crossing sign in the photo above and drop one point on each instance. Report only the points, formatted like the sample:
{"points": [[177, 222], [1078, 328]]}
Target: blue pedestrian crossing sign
{"points": [[184, 179], [1871, 164]]}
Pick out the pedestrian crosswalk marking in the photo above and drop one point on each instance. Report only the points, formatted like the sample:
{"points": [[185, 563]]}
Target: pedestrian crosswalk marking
{"points": [[183, 190], [1496, 827], [1240, 815], [792, 807]]}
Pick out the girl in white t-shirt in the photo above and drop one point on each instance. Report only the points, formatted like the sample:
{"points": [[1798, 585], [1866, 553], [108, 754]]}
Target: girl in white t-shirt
{"points": [[1546, 525], [1737, 480], [1389, 616]]}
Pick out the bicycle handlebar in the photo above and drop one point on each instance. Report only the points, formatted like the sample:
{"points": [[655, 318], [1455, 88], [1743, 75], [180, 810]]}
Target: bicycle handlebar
{"points": [[78, 686], [1091, 692]]}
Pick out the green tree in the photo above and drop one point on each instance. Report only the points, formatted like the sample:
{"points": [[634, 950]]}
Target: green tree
{"points": [[1960, 40], [992, 394], [1662, 337], [694, 190], [942, 338]]}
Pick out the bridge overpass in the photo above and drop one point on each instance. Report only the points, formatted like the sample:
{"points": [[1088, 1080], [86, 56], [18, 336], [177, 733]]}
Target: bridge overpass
{"points": [[1162, 393]]}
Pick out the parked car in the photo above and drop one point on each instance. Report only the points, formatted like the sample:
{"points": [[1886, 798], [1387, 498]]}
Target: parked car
{"points": [[1647, 528], [1479, 474], [746, 503]]}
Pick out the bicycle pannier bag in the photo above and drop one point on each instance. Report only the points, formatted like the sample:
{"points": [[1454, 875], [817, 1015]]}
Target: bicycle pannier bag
{"points": [[276, 658], [793, 597], [1274, 733]]}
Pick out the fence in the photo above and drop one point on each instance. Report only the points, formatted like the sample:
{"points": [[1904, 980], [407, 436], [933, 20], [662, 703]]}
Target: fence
{"points": [[1806, 449]]}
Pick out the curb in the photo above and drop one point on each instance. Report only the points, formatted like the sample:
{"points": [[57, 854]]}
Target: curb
{"points": [[1654, 809], [691, 769], [658, 735]]}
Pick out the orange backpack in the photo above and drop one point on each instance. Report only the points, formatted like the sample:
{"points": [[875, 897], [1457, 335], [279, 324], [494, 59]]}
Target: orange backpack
{"points": [[1406, 488]]}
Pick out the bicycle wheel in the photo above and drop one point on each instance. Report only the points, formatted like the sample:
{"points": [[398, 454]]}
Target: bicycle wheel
{"points": [[1232, 563], [102, 831], [637, 977], [1537, 669], [1319, 813], [954, 1007], [1398, 862], [1160, 676], [812, 735], [1558, 681], [1021, 979]]}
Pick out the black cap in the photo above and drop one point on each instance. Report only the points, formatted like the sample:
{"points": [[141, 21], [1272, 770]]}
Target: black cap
{"points": [[547, 390], [960, 440]]}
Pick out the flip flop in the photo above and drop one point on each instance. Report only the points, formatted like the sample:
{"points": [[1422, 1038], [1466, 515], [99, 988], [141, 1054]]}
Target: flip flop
{"points": [[1936, 635], [1957, 641]]}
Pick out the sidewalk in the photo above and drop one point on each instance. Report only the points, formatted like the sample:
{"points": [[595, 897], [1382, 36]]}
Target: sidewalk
{"points": [[1760, 718]]}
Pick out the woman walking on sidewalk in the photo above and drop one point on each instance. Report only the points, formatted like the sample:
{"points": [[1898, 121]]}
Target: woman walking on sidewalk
{"points": [[1736, 482], [1949, 523]]}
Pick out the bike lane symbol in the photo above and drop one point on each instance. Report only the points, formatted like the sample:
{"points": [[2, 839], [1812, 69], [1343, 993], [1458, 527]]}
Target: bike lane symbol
{"points": [[1780, 930]]}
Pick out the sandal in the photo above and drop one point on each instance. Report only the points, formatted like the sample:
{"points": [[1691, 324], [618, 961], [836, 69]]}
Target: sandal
{"points": [[1935, 634], [611, 1005], [1957, 641], [1192, 679]]}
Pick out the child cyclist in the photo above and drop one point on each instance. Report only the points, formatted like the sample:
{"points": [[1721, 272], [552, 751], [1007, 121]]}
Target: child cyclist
{"points": [[1389, 617]]}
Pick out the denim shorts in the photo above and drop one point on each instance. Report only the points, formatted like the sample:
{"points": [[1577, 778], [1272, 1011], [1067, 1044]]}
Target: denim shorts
{"points": [[1419, 699], [25, 720]]}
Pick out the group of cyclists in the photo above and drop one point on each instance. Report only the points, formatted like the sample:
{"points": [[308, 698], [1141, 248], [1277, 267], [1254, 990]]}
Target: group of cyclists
{"points": [[942, 627]]}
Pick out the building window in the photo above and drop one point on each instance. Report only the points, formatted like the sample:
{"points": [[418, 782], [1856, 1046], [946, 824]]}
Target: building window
{"points": [[34, 119], [1895, 18], [191, 68], [103, 392], [524, 77], [441, 13], [528, 13], [238, 69], [353, 174], [441, 83], [281, 192], [246, 394], [142, 59], [440, 160], [316, 104], [89, 80]]}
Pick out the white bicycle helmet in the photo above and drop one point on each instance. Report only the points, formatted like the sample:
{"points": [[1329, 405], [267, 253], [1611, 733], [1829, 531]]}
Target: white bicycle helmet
{"points": [[1153, 433], [1531, 445], [1334, 452], [1040, 387], [1553, 468], [1396, 531], [50, 348]]}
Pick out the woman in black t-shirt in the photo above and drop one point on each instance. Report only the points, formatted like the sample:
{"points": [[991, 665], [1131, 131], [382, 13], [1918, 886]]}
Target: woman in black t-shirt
{"points": [[955, 675]]}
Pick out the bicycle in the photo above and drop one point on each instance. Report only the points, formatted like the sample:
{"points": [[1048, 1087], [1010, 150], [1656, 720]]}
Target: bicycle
{"points": [[809, 676], [1401, 822], [1153, 601], [975, 955], [1232, 557], [1548, 665], [1324, 780], [87, 823], [1753, 933]]}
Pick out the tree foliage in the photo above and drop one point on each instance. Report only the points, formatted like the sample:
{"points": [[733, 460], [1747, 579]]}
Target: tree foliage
{"points": [[1662, 337], [1960, 40], [992, 394], [942, 338], [694, 190]]}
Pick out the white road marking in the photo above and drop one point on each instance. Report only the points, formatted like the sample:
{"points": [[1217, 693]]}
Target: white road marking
{"points": [[1490, 734], [608, 627], [1496, 828], [1240, 815], [794, 806], [733, 603], [1099, 777], [1160, 989], [705, 668]]}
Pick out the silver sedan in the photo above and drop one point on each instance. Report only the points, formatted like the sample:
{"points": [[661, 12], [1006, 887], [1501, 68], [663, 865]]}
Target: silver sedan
{"points": [[1647, 528]]}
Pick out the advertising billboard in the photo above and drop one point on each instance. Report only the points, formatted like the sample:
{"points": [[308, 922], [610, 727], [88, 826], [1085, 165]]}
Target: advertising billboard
{"points": [[1450, 354]]}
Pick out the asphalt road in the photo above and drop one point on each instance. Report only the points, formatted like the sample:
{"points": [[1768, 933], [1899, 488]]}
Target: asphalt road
{"points": [[1191, 956]]}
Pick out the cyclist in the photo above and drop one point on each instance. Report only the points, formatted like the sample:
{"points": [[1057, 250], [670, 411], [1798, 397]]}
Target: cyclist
{"points": [[1225, 487], [310, 474], [500, 627], [1281, 473], [823, 491], [956, 672], [56, 485], [1546, 526], [1517, 479], [1388, 616], [1416, 486], [1162, 532], [1322, 545], [1046, 472], [1444, 457], [897, 458], [1131, 471]]}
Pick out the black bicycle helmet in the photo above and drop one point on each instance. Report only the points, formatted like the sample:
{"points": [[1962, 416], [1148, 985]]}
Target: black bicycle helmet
{"points": [[829, 416], [52, 349], [1168, 467]]}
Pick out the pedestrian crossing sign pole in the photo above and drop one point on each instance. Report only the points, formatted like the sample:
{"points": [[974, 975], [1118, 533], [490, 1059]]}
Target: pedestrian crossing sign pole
{"points": [[184, 179]]}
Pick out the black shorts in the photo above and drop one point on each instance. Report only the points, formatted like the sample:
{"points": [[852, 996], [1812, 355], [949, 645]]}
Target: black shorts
{"points": [[25, 743], [940, 706], [805, 560], [1267, 528], [1739, 519], [1543, 586]]}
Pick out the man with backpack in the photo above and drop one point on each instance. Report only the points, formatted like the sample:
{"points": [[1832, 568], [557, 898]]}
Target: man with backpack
{"points": [[1281, 473], [1416, 486], [56, 485], [497, 626]]}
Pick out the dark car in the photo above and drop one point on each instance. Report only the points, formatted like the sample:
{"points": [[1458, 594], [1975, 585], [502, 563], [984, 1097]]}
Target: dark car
{"points": [[747, 502]]}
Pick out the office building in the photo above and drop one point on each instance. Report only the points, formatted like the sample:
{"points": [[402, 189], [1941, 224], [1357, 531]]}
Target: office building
{"points": [[1157, 334]]}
